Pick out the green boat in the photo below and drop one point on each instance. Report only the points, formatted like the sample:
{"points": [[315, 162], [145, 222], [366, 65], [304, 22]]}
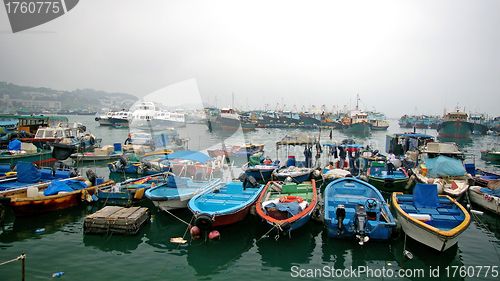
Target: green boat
{"points": [[455, 125], [37, 157], [378, 177], [491, 155]]}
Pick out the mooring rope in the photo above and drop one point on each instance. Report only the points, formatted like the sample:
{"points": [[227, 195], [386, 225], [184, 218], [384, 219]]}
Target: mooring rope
{"points": [[189, 224], [246, 250], [173, 254], [21, 257]]}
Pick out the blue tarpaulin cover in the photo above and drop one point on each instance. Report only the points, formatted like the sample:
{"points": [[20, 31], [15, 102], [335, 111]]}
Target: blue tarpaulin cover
{"points": [[442, 165], [190, 155], [27, 172], [68, 186], [176, 182], [491, 192], [425, 196], [15, 145]]}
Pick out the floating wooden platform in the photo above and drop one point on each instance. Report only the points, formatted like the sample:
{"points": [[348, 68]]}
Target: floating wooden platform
{"points": [[116, 220]]}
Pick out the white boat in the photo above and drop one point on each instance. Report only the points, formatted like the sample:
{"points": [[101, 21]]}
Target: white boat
{"points": [[147, 114], [486, 197], [435, 221]]}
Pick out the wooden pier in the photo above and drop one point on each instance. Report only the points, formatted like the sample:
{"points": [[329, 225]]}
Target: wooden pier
{"points": [[116, 220]]}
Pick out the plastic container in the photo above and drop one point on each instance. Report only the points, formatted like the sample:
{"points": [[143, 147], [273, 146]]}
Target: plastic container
{"points": [[32, 191], [423, 167], [58, 274], [99, 180], [117, 146], [290, 161]]}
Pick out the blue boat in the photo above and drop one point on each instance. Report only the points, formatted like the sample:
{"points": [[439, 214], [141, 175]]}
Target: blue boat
{"points": [[356, 209], [287, 206], [226, 204], [260, 170], [176, 192]]}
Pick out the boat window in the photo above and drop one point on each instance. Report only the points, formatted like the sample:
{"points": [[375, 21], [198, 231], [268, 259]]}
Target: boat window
{"points": [[39, 134]]}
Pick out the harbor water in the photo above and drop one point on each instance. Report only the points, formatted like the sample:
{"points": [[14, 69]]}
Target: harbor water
{"points": [[247, 250]]}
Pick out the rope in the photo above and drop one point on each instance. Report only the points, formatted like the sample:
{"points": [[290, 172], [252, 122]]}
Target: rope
{"points": [[21, 257], [189, 224], [173, 254], [246, 250]]}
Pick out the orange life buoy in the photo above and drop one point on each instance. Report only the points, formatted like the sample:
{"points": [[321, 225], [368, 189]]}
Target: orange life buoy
{"points": [[289, 199]]}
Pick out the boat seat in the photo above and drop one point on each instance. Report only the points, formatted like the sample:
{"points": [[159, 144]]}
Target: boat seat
{"points": [[446, 211], [405, 198], [444, 221], [429, 211], [409, 209]]}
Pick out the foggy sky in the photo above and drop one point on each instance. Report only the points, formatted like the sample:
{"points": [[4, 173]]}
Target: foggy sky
{"points": [[401, 57]]}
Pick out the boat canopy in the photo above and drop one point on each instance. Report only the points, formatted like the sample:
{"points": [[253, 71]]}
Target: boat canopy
{"points": [[354, 145], [297, 139], [189, 155]]}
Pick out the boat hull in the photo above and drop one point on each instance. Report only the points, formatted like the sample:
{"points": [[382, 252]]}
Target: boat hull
{"points": [[440, 231], [455, 129], [490, 203], [26, 157], [490, 155], [357, 128]]}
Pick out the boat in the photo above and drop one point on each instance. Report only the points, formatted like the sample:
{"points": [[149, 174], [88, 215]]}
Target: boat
{"points": [[105, 153], [346, 155], [27, 174], [260, 170], [431, 219], [455, 125], [230, 120], [52, 196], [442, 164], [287, 206], [491, 153], [480, 176], [129, 192], [115, 118], [487, 197], [25, 152], [226, 204], [479, 123], [194, 164], [356, 209], [356, 123], [166, 138], [243, 151], [176, 192], [378, 176], [377, 120], [295, 170]]}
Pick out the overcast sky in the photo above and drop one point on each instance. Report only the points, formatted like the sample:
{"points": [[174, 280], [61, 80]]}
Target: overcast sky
{"points": [[401, 57]]}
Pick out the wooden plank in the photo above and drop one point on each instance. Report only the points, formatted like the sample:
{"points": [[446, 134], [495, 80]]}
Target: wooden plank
{"points": [[115, 219]]}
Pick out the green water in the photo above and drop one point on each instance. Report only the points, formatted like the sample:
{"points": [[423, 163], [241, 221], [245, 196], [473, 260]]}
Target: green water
{"points": [[244, 252]]}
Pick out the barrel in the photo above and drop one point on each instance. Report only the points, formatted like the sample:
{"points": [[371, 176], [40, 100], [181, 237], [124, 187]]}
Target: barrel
{"points": [[290, 161]]}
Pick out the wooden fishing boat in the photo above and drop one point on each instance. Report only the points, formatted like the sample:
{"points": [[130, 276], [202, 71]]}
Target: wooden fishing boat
{"points": [[483, 177], [293, 174], [53, 196], [28, 175], [226, 204], [287, 206], [176, 192], [378, 176], [455, 125], [243, 151], [491, 153], [431, 219], [486, 197], [25, 155], [356, 209], [129, 192], [260, 170], [447, 173]]}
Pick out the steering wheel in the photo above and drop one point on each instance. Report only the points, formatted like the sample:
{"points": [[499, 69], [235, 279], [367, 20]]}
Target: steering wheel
{"points": [[371, 204]]}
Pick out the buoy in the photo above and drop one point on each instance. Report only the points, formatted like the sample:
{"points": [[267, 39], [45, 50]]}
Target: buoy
{"points": [[195, 233], [214, 235]]}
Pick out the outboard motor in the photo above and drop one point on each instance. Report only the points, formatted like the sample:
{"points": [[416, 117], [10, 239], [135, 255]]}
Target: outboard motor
{"points": [[340, 214], [360, 219]]}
